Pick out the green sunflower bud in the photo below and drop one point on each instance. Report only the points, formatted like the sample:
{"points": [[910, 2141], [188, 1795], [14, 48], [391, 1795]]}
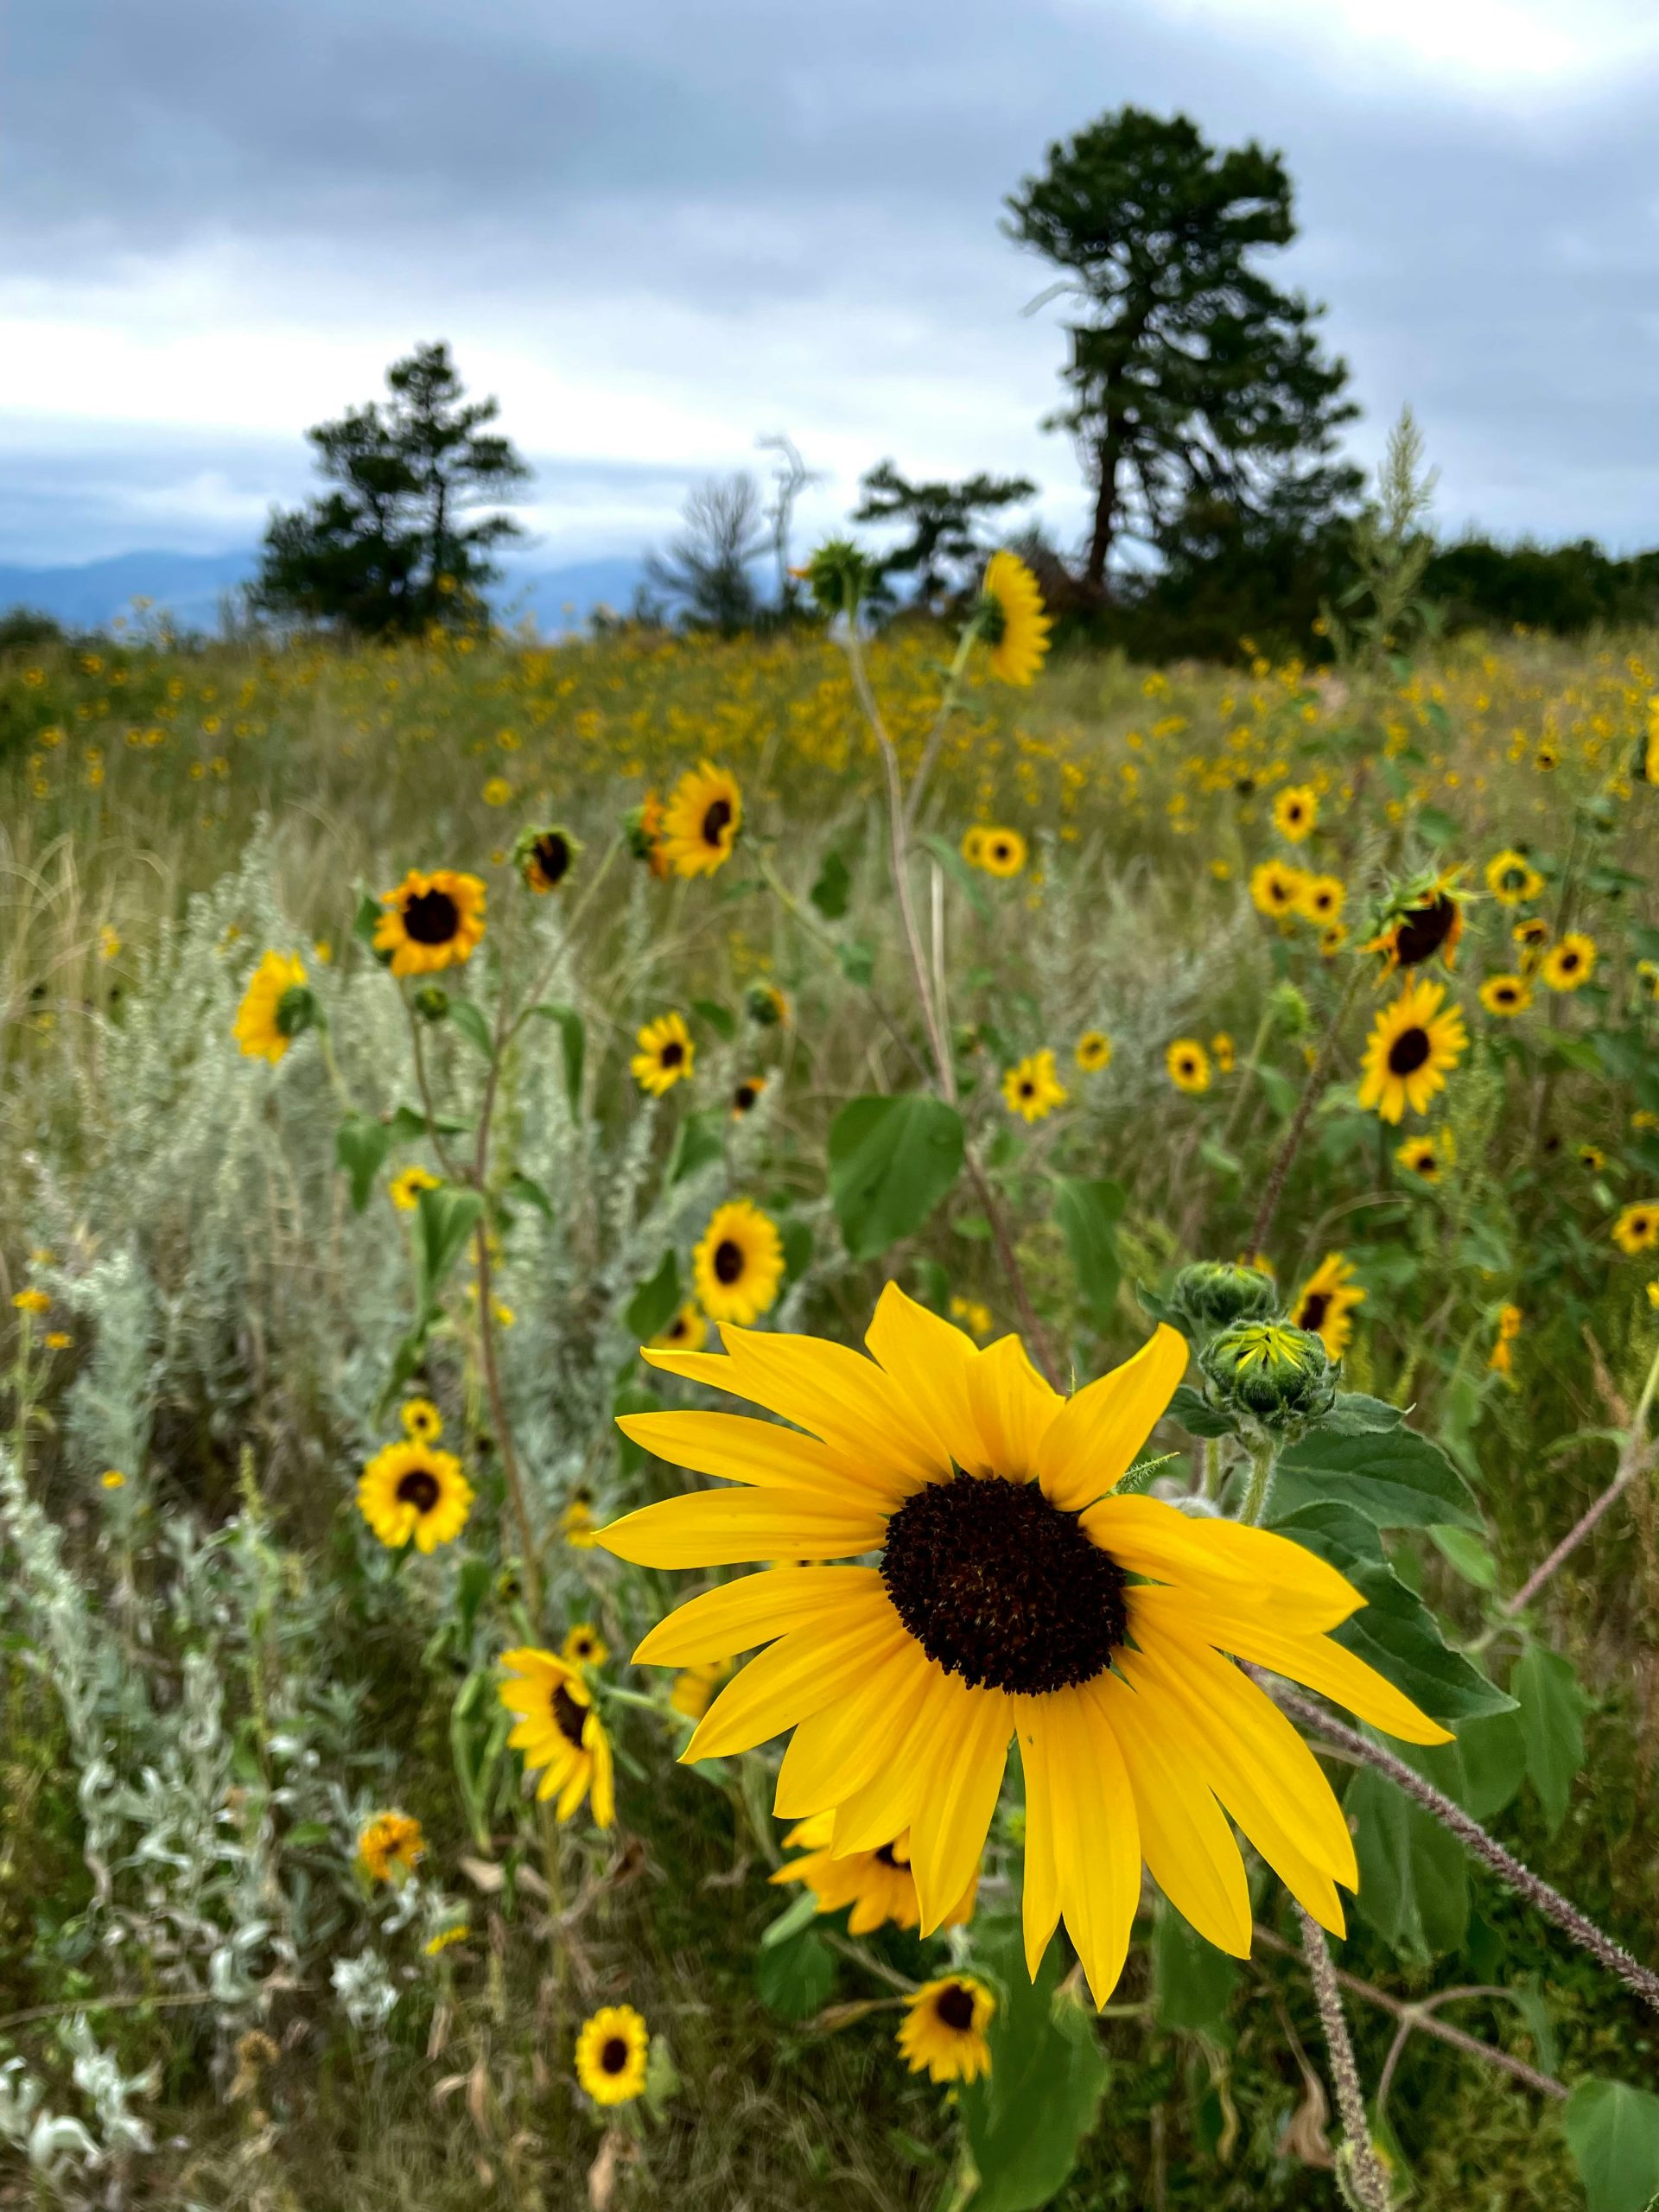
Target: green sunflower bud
{"points": [[1272, 1378], [544, 854], [1210, 1296], [766, 1004], [1290, 1011], [298, 1010], [839, 577], [432, 1002]]}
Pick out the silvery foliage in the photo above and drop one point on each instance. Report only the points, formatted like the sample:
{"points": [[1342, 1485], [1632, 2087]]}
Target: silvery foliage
{"points": [[59, 2147]]}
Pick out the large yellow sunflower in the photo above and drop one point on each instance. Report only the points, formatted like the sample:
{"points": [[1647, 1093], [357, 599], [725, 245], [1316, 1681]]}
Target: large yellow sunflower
{"points": [[1015, 1597], [559, 1730], [665, 1054], [431, 921], [701, 821], [1276, 889], [1031, 1088], [943, 2034], [1427, 920], [1325, 1301], [274, 1008], [739, 1265], [1014, 619], [545, 857], [1568, 964], [410, 1489], [611, 2054], [878, 1884], [1411, 1045]]}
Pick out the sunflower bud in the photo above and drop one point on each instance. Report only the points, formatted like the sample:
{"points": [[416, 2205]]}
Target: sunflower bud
{"points": [[1210, 1296], [544, 854], [766, 1006], [1272, 1378], [431, 1002], [839, 577], [1290, 1011], [298, 1010]]}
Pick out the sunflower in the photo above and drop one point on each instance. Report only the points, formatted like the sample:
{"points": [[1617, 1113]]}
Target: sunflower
{"points": [[701, 821], [1322, 899], [559, 1730], [973, 846], [431, 921], [693, 1687], [423, 1423], [1295, 810], [766, 1006], [1636, 1229], [973, 1314], [643, 828], [576, 1522], [1325, 1301], [878, 1884], [1003, 852], [739, 1263], [1570, 963], [1506, 994], [1031, 1089], [1426, 919], [408, 1489], [1223, 1052], [665, 1054], [687, 1331], [1592, 1157], [391, 1847], [1532, 935], [1411, 1045], [1333, 939], [1424, 1157], [1012, 619], [944, 2031], [584, 1646], [611, 2052], [1015, 1595], [405, 1187], [745, 1095], [1509, 1321], [1511, 877], [1276, 890], [545, 857], [275, 1007], [1094, 1051], [1188, 1064]]}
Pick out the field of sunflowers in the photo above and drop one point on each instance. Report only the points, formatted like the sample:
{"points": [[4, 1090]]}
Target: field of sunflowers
{"points": [[841, 1420]]}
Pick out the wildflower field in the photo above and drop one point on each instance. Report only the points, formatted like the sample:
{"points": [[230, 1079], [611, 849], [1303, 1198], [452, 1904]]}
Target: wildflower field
{"points": [[829, 1421]]}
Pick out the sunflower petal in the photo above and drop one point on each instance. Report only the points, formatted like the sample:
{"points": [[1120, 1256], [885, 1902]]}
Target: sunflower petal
{"points": [[927, 1359], [1013, 1406], [1095, 1832], [947, 1834], [725, 1527], [836, 1752], [886, 1805], [741, 1450], [1039, 1901], [800, 1675], [1188, 1845], [1222, 1562], [755, 1609], [1089, 1446], [840, 1396]]}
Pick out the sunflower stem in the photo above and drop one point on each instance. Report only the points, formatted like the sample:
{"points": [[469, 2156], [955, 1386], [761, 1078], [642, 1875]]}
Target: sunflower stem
{"points": [[1264, 1458], [1508, 1869], [936, 736], [1313, 1091], [1359, 2168]]}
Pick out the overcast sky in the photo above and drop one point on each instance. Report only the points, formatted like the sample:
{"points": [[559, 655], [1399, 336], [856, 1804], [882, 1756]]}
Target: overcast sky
{"points": [[655, 228]]}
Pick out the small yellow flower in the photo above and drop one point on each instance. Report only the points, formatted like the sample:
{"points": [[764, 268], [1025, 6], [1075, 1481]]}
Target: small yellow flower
{"points": [[1295, 810], [391, 1847], [1031, 1088], [693, 1688], [1188, 1064], [944, 2031], [1003, 852], [444, 1938], [1014, 619], [687, 1331], [577, 1524], [611, 2054], [1094, 1051], [423, 1423], [497, 791], [1636, 1229], [1512, 880], [1322, 899], [58, 1340], [584, 1646], [1506, 994], [405, 1189], [31, 1301], [109, 944], [665, 1055], [1568, 964], [973, 1316], [1223, 1052], [1277, 890], [112, 1478], [973, 846]]}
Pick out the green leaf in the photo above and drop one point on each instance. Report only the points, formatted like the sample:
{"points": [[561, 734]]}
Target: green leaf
{"points": [[1434, 825], [831, 893], [795, 1978], [798, 1250], [1482, 1771], [1467, 1554], [1196, 1415], [361, 1147], [573, 1035], [1414, 1881], [1612, 2131], [1088, 1214], [959, 873], [1356, 1414], [1026, 2121], [409, 1125], [890, 1162], [800, 1912], [651, 1307], [1395, 1477], [1281, 1091], [1552, 1709], [366, 918], [1392, 1630], [473, 1024], [448, 1217], [857, 964], [720, 1018], [523, 1186], [1192, 1982], [699, 1139]]}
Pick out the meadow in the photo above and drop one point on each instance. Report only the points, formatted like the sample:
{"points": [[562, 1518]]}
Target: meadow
{"points": [[1302, 1019]]}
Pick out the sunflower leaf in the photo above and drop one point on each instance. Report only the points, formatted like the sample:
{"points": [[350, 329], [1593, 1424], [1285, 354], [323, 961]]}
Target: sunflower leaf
{"points": [[1612, 2131], [1026, 2118], [574, 1038], [720, 1018], [1088, 1214], [649, 1309], [361, 1147], [470, 1020], [1552, 1708], [448, 1218], [699, 1139], [1194, 1412], [890, 1162], [831, 893], [795, 1977], [959, 873], [1395, 1476]]}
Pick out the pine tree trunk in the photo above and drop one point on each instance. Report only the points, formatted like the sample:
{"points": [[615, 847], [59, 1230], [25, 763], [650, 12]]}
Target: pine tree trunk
{"points": [[1100, 545]]}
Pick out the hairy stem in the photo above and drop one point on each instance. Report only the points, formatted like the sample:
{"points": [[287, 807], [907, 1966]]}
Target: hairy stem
{"points": [[1364, 2168]]}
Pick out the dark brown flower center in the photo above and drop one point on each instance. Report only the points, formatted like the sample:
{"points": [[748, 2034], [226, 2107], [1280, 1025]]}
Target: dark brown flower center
{"points": [[420, 1489], [744, 1096], [671, 1055], [569, 1718], [552, 857], [955, 2006], [1314, 1308], [613, 2055], [1425, 930], [430, 917], [884, 1856], [1568, 963], [728, 1260], [1409, 1051], [1002, 1588], [717, 820]]}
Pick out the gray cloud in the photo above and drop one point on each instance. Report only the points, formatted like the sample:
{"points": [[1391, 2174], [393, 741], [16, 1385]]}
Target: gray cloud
{"points": [[763, 167]]}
